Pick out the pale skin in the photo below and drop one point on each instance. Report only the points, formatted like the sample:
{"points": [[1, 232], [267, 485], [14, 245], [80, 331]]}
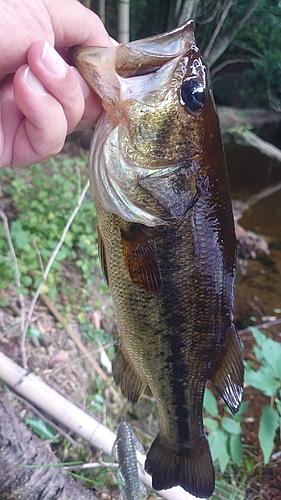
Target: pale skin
{"points": [[42, 98]]}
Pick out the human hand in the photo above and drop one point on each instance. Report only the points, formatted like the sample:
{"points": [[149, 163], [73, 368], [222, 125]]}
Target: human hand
{"points": [[42, 98]]}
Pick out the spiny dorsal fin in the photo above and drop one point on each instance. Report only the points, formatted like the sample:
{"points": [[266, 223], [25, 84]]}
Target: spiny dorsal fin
{"points": [[140, 259], [229, 376]]}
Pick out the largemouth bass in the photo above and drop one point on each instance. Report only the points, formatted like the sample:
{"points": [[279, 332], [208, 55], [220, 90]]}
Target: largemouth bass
{"points": [[167, 242]]}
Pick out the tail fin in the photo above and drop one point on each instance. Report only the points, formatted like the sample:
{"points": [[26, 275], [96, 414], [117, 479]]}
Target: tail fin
{"points": [[192, 469]]}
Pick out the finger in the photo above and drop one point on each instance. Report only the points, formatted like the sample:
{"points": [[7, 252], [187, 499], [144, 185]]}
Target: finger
{"points": [[80, 26], [42, 132], [93, 106], [10, 119], [59, 79]]}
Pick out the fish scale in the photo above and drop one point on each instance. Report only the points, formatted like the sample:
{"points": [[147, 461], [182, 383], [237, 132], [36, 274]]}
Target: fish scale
{"points": [[167, 241]]}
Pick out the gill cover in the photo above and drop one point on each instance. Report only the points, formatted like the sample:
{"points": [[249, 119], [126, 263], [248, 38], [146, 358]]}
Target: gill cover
{"points": [[141, 74]]}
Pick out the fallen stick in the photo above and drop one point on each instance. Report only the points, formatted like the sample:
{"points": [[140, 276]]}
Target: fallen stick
{"points": [[79, 344], [32, 388]]}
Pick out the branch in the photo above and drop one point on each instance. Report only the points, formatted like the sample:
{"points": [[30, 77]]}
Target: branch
{"points": [[52, 258], [248, 138], [31, 387], [222, 44], [227, 62], [218, 28]]}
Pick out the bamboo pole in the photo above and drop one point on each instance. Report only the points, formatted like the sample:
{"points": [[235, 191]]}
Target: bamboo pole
{"points": [[124, 21], [32, 388]]}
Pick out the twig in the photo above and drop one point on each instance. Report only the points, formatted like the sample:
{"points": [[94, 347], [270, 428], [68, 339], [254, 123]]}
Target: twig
{"points": [[218, 28], [49, 422], [265, 325], [53, 256], [38, 255], [18, 283], [254, 141], [79, 344]]}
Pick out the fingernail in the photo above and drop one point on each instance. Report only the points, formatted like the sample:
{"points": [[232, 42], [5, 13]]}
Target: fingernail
{"points": [[33, 81], [53, 61]]}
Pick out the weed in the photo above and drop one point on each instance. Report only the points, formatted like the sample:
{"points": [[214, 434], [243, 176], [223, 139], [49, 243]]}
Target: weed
{"points": [[224, 432], [267, 379], [44, 197]]}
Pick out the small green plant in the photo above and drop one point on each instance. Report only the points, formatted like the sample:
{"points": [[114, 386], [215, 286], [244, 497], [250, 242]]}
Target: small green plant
{"points": [[267, 379], [224, 432], [44, 197], [41, 428]]}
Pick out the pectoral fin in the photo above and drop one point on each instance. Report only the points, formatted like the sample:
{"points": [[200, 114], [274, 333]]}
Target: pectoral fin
{"points": [[229, 376], [125, 375], [140, 259]]}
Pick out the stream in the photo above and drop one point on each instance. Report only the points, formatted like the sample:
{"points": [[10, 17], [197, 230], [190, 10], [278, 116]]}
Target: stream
{"points": [[258, 284]]}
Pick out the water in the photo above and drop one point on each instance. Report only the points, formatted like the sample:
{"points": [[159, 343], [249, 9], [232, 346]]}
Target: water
{"points": [[258, 292]]}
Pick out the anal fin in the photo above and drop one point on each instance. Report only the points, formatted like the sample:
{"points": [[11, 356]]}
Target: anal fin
{"points": [[126, 377], [229, 377]]}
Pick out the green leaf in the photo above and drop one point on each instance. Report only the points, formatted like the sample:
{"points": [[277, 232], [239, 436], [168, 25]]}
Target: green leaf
{"points": [[267, 429], [231, 426], [98, 398], [210, 423], [210, 403], [21, 239], [26, 280], [258, 335], [34, 333], [235, 447], [41, 429], [250, 465], [262, 379], [239, 417], [218, 443]]}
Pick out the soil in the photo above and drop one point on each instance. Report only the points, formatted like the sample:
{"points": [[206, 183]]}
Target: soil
{"points": [[60, 363]]}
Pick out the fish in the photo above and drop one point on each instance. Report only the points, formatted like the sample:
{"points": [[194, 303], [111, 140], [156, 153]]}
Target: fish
{"points": [[166, 241], [125, 452]]}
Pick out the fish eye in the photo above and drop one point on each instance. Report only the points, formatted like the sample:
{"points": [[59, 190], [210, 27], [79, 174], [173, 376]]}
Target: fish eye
{"points": [[192, 95]]}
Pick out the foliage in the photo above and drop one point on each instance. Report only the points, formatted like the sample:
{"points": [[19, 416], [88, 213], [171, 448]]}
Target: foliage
{"points": [[41, 428], [249, 35], [224, 432], [44, 197], [268, 380]]}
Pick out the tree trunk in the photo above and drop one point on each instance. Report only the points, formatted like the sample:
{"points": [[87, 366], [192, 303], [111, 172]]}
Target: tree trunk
{"points": [[187, 11], [86, 3], [102, 10], [124, 21], [18, 448]]}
